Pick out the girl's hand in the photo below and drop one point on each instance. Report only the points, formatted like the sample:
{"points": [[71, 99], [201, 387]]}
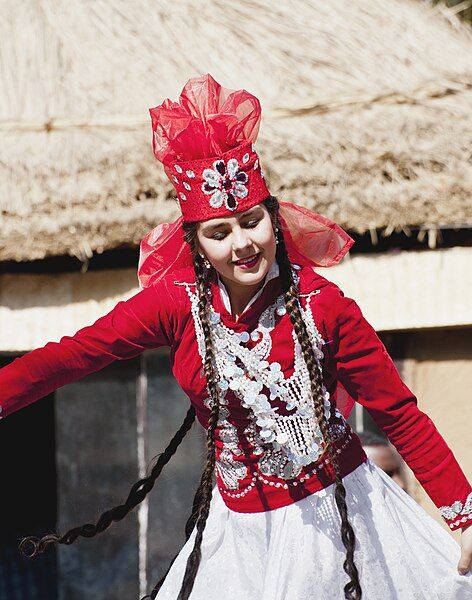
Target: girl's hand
{"points": [[465, 562]]}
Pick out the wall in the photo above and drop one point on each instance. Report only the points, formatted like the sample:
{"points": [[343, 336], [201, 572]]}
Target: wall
{"points": [[438, 368], [396, 291]]}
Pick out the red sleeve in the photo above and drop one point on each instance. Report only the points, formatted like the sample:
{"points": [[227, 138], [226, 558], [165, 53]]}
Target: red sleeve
{"points": [[144, 321], [369, 375]]}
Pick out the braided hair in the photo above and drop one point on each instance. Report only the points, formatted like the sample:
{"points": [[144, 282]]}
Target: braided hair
{"points": [[202, 499], [31, 546], [352, 590]]}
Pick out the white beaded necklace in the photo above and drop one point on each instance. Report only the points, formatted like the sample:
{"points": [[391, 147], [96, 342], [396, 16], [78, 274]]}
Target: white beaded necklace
{"points": [[246, 371]]}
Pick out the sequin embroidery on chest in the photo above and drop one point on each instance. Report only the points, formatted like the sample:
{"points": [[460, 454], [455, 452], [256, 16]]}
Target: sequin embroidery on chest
{"points": [[285, 443]]}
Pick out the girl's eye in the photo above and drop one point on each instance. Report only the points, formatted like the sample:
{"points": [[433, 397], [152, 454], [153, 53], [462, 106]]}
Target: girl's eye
{"points": [[219, 235], [253, 223]]}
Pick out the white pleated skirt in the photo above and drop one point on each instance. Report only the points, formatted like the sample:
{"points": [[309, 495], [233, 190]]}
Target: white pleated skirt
{"points": [[296, 553]]}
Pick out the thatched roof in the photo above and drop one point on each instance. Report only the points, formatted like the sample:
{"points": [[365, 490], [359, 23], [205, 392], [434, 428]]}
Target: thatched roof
{"points": [[367, 112]]}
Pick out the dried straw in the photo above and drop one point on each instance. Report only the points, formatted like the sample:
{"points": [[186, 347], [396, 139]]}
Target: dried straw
{"points": [[367, 111]]}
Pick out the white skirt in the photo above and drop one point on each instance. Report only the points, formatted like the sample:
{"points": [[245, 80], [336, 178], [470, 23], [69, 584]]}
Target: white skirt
{"points": [[296, 553]]}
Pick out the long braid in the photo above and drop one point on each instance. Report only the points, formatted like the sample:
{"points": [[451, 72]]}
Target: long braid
{"points": [[188, 530], [206, 484], [201, 503], [137, 494], [352, 590]]}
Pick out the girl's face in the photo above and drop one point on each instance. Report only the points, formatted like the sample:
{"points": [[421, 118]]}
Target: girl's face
{"points": [[224, 241]]}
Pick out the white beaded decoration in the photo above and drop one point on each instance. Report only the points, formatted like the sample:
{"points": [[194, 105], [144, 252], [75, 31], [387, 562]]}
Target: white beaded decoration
{"points": [[285, 443]]}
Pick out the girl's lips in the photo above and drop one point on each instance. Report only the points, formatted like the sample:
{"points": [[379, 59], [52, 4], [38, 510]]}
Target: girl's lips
{"points": [[248, 264]]}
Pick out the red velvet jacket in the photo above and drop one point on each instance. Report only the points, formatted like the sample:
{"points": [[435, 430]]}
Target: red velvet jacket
{"points": [[353, 355]]}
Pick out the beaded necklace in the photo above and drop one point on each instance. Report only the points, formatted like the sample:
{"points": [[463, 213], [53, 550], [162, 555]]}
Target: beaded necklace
{"points": [[295, 439]]}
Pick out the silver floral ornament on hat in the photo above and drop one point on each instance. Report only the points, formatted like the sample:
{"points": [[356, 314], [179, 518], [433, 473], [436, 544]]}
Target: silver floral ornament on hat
{"points": [[225, 183]]}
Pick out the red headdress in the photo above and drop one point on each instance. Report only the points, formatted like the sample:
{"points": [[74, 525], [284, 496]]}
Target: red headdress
{"points": [[205, 142]]}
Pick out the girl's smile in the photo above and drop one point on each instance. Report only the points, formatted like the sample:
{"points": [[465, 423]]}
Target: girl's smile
{"points": [[248, 263]]}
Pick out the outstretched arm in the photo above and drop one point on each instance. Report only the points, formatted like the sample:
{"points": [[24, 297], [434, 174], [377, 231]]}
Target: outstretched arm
{"points": [[369, 375], [144, 321]]}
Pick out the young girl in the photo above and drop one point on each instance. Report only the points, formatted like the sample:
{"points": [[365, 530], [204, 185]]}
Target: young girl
{"points": [[266, 349]]}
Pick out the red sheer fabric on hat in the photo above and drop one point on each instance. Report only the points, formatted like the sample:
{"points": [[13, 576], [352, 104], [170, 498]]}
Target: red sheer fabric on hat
{"points": [[162, 251], [207, 121], [312, 239], [205, 142]]}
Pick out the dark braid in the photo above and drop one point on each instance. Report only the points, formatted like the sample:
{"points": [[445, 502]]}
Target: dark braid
{"points": [[188, 530], [201, 502], [352, 590], [137, 494]]}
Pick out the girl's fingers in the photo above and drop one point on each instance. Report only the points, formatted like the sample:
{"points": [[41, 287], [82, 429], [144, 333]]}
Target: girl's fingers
{"points": [[465, 562]]}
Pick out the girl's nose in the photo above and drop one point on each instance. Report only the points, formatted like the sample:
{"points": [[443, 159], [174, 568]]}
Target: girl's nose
{"points": [[241, 240]]}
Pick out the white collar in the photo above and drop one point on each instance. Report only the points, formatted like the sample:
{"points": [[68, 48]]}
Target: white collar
{"points": [[271, 274]]}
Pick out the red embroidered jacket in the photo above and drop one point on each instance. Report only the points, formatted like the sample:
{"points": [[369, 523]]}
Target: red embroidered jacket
{"points": [[250, 474]]}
